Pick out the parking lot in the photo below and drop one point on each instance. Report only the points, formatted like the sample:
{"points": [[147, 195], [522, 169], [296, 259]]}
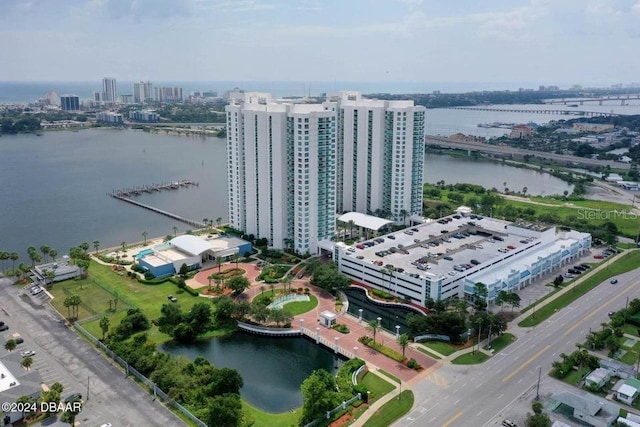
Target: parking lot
{"points": [[62, 356]]}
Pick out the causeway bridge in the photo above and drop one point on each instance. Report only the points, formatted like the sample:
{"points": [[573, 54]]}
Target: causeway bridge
{"points": [[504, 150], [569, 101], [539, 111]]}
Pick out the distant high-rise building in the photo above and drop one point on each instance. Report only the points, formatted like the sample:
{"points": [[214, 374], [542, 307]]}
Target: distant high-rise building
{"points": [[70, 103], [109, 90], [168, 94], [143, 92], [96, 96]]}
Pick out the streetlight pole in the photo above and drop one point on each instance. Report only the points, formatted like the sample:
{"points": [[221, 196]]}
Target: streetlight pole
{"points": [[538, 386]]}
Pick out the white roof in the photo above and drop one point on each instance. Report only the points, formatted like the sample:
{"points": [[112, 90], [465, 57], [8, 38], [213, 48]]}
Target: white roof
{"points": [[191, 244], [627, 390], [363, 220], [328, 315]]}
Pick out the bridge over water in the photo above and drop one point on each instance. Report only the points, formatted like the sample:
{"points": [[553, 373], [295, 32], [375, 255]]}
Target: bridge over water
{"points": [[504, 150], [539, 111]]}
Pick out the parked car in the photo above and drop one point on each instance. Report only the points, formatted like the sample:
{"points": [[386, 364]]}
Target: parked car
{"points": [[392, 237], [585, 265], [73, 398], [4, 328], [172, 298], [614, 281], [448, 258], [28, 353], [598, 256]]}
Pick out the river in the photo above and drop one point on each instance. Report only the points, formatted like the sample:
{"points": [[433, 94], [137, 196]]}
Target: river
{"points": [[54, 187]]}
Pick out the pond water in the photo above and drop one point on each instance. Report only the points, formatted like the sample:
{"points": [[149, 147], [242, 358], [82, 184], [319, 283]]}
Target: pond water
{"points": [[272, 368]]}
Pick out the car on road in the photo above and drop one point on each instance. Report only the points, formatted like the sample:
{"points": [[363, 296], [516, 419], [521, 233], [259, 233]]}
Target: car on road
{"points": [[611, 313], [4, 328], [614, 281], [28, 353], [598, 256], [172, 298], [508, 423], [36, 290], [105, 425]]}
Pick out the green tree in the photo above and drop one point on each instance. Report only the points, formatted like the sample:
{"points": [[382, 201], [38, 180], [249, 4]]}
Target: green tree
{"points": [[200, 318], [53, 254], [175, 231], [318, 395], [104, 326], [480, 293], [219, 262], [144, 236], [170, 316], [219, 221], [225, 411], [27, 362], [403, 341], [373, 327], [14, 257], [238, 284], [96, 245], [45, 251], [10, 345]]}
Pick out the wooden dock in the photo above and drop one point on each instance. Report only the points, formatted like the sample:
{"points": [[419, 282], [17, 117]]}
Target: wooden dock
{"points": [[126, 194], [135, 191]]}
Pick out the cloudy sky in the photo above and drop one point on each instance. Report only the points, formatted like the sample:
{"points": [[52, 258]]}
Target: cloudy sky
{"points": [[516, 41]]}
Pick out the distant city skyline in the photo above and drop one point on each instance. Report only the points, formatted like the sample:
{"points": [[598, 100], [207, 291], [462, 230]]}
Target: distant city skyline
{"points": [[586, 42]]}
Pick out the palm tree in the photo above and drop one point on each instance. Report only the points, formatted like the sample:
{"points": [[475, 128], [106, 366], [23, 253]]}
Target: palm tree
{"points": [[45, 251], [53, 254], [175, 231], [373, 327], [24, 269], [404, 214], [96, 245], [219, 221], [144, 235], [351, 224], [209, 279], [219, 262], [403, 341], [205, 221], [236, 256], [3, 257], [124, 246], [14, 257], [286, 281], [104, 325]]}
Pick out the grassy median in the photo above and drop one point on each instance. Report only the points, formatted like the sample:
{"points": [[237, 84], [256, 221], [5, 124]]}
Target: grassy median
{"points": [[628, 262]]}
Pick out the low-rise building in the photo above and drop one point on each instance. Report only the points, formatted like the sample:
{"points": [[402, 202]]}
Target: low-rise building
{"points": [[445, 258], [627, 391], [167, 258], [521, 131], [56, 271], [16, 382], [588, 408], [598, 378]]}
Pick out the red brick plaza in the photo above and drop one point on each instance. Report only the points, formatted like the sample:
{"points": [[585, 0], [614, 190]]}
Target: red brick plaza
{"points": [[348, 342]]}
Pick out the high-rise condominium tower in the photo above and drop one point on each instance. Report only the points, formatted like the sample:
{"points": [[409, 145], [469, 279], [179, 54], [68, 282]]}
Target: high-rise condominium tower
{"points": [[109, 92], [292, 167], [380, 155], [281, 171]]}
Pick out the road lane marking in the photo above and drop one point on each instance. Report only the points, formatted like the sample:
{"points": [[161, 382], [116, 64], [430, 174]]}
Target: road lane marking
{"points": [[597, 311], [452, 419], [526, 363]]}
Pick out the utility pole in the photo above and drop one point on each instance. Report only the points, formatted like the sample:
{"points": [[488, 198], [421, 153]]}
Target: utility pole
{"points": [[87, 387], [538, 386]]}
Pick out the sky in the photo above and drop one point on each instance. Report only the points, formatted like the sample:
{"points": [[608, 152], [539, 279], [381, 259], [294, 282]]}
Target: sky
{"points": [[560, 42]]}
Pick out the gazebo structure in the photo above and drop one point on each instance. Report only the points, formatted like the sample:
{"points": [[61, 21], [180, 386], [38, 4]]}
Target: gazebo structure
{"points": [[328, 318]]}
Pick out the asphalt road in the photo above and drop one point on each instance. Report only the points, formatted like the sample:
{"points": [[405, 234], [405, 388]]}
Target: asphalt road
{"points": [[504, 386], [61, 355]]}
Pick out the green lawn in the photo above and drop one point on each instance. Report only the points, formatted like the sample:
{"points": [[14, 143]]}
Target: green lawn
{"points": [[103, 285], [631, 356], [388, 375], [502, 341], [628, 262], [470, 358], [422, 349], [575, 376], [392, 410], [631, 329], [376, 385], [299, 307], [443, 348], [265, 419], [591, 204]]}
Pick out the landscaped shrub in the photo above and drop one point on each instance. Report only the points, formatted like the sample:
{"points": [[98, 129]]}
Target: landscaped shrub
{"points": [[363, 390], [149, 276], [381, 294], [413, 364], [389, 352], [343, 377], [343, 329]]}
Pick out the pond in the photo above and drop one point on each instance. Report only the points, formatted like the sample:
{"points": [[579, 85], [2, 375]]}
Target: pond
{"points": [[391, 316], [272, 368]]}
